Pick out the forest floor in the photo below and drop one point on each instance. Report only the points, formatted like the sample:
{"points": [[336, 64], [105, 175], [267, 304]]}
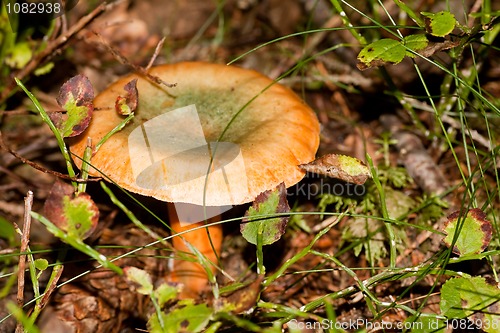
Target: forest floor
{"points": [[433, 142]]}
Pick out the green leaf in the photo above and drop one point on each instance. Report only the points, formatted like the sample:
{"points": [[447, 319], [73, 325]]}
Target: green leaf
{"points": [[415, 43], [473, 232], [82, 214], [343, 167], [439, 24], [75, 97], [45, 69], [41, 264], [381, 52], [140, 278], [473, 298], [20, 55], [77, 214], [267, 203], [188, 319], [166, 293]]}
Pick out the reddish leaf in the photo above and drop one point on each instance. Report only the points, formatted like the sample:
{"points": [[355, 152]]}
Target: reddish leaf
{"points": [[127, 104], [57, 118], [435, 47], [75, 97], [267, 203], [242, 299], [474, 232], [78, 88], [76, 214]]}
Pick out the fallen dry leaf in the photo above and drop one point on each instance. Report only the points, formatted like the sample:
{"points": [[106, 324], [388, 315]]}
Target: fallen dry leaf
{"points": [[127, 104], [346, 168]]}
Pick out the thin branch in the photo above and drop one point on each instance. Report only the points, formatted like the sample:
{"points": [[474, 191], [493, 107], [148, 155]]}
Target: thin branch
{"points": [[141, 70], [37, 166], [157, 52], [25, 235]]}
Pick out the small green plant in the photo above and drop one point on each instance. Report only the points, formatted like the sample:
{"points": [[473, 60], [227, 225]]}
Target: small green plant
{"points": [[73, 215], [473, 301], [363, 232], [469, 234], [259, 231], [458, 120], [184, 316], [437, 25]]}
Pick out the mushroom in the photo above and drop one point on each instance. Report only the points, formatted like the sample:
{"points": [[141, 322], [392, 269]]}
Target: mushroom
{"points": [[217, 139]]}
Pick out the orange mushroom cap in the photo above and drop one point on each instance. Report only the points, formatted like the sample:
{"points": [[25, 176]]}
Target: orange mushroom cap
{"points": [[250, 132]]}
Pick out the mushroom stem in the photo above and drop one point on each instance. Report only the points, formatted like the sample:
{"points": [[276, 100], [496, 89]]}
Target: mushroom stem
{"points": [[191, 274]]}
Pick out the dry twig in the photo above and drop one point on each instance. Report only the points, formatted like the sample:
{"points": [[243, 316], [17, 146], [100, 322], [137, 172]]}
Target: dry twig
{"points": [[25, 235], [157, 52], [37, 166], [141, 70]]}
